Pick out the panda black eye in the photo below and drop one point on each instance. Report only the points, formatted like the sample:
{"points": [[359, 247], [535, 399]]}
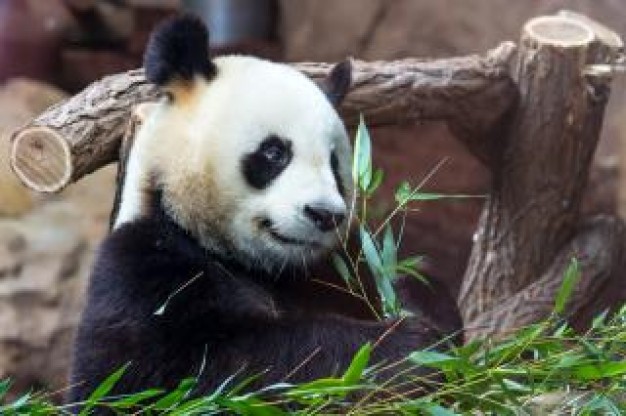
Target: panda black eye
{"points": [[275, 151], [267, 162]]}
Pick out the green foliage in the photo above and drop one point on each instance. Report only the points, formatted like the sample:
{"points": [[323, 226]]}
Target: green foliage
{"points": [[577, 374], [570, 279], [102, 391], [380, 255]]}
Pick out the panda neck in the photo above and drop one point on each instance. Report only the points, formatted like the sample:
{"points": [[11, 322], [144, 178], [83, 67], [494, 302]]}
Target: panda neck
{"points": [[157, 214]]}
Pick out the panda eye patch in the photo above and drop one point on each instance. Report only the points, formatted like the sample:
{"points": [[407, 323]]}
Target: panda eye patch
{"points": [[267, 162], [334, 165]]}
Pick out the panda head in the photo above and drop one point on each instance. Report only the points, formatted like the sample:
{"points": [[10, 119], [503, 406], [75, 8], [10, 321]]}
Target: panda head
{"points": [[250, 157]]}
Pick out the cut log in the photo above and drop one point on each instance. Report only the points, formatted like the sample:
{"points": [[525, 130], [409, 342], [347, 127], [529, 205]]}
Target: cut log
{"points": [[83, 133], [79, 135], [533, 209]]}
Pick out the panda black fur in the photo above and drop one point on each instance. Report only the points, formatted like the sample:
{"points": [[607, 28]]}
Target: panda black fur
{"points": [[202, 231]]}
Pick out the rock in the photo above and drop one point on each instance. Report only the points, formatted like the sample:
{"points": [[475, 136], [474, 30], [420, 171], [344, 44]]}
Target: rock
{"points": [[43, 257]]}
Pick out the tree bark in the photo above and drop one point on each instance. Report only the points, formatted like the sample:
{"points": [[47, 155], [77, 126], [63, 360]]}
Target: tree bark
{"points": [[83, 133], [600, 248], [533, 209]]}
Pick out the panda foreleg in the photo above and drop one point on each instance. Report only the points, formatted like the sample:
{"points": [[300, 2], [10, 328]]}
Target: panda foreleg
{"points": [[307, 348]]}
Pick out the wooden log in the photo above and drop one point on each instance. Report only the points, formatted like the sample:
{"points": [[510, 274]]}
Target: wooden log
{"points": [[533, 209], [83, 133], [600, 248]]}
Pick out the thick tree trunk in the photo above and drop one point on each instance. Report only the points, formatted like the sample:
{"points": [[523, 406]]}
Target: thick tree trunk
{"points": [[600, 248], [533, 209], [83, 133]]}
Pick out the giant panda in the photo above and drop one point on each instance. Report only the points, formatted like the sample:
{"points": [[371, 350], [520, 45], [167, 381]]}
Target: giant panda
{"points": [[235, 192]]}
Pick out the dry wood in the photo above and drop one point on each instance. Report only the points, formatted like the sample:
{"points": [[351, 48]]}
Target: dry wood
{"points": [[79, 135], [534, 205], [83, 134], [599, 247]]}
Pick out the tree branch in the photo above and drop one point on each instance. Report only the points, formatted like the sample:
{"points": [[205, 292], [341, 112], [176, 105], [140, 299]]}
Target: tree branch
{"points": [[83, 133]]}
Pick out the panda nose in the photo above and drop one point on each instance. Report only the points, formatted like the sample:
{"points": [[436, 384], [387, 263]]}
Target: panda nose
{"points": [[323, 218]]}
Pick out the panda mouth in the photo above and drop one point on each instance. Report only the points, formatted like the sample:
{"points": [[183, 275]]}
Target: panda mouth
{"points": [[292, 241], [283, 239]]}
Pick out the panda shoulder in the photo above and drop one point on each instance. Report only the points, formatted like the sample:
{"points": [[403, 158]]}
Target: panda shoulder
{"points": [[144, 249]]}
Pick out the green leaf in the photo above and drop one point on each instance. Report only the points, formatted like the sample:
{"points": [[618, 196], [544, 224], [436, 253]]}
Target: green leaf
{"points": [[5, 385], [434, 359], [385, 289], [601, 405], [430, 196], [438, 410], [132, 400], [102, 390], [597, 323], [173, 398], [570, 279], [411, 262], [320, 387], [424, 407], [596, 371], [198, 406], [389, 252], [354, 373], [405, 194], [372, 256], [251, 406], [20, 402], [377, 180], [342, 268], [362, 163], [514, 386]]}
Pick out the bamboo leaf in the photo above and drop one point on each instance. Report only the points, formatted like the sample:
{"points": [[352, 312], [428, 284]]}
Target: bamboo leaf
{"points": [[599, 370], [372, 255], [389, 252], [404, 194], [377, 180], [342, 268], [134, 399], [434, 359], [5, 385], [374, 261], [252, 406], [175, 397], [362, 163], [354, 373], [570, 279], [102, 390]]}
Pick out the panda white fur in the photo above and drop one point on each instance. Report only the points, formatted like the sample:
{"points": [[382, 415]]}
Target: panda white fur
{"points": [[236, 190], [197, 143]]}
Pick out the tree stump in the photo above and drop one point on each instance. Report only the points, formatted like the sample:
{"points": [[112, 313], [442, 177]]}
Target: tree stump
{"points": [[529, 227]]}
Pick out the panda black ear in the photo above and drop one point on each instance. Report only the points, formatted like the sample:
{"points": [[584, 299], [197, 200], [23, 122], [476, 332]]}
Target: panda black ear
{"points": [[178, 49], [338, 82]]}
